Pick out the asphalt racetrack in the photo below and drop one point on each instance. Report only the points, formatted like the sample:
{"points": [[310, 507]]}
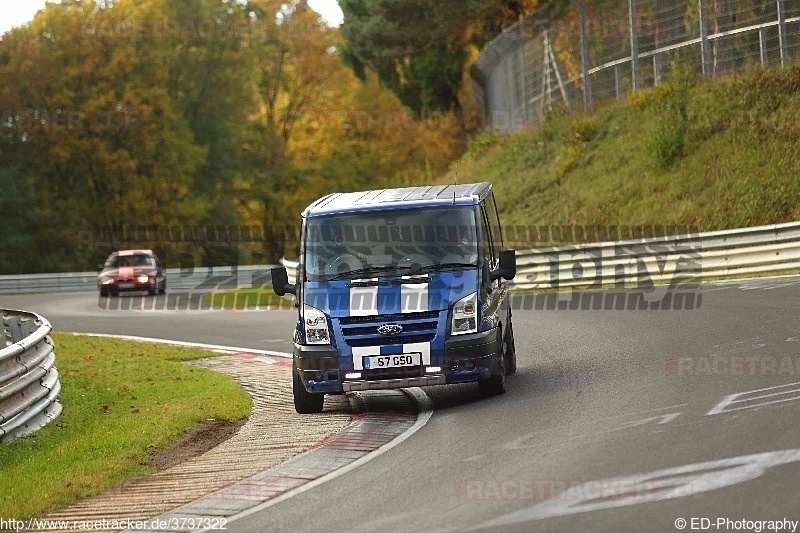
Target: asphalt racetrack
{"points": [[617, 420]]}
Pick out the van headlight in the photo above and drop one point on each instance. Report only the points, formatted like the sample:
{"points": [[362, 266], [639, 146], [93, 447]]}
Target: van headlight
{"points": [[316, 326], [465, 315]]}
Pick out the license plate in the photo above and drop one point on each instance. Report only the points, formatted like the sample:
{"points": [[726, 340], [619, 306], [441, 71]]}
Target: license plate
{"points": [[125, 285], [391, 361]]}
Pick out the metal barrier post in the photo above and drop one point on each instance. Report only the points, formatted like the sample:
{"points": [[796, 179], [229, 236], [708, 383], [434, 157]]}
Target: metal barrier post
{"points": [[587, 82], [705, 47], [656, 70], [782, 32], [634, 44]]}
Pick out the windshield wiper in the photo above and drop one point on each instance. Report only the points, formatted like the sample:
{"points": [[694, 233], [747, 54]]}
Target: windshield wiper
{"points": [[367, 271], [442, 266]]}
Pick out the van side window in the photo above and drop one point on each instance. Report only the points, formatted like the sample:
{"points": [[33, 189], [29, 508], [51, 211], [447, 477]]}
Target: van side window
{"points": [[488, 240]]}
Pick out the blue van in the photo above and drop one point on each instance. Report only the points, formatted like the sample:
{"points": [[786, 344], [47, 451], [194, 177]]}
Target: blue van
{"points": [[401, 288]]}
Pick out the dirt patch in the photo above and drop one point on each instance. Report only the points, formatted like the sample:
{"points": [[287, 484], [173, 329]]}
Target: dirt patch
{"points": [[196, 442]]}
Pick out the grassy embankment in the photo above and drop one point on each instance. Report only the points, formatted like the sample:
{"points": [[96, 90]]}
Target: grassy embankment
{"points": [[123, 401], [709, 156]]}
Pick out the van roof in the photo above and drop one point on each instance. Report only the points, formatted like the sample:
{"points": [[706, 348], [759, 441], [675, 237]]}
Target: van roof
{"points": [[405, 198]]}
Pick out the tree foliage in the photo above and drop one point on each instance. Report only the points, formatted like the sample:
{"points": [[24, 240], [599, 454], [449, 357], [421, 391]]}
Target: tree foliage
{"points": [[184, 113], [418, 48]]}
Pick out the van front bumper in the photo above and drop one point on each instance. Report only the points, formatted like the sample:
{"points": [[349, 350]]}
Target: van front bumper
{"points": [[468, 358], [471, 357], [319, 368]]}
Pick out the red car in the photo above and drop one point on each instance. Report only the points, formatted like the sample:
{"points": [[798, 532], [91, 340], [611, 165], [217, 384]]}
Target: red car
{"points": [[131, 270]]}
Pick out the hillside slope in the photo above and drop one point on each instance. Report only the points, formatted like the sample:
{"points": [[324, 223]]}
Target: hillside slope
{"points": [[709, 155]]}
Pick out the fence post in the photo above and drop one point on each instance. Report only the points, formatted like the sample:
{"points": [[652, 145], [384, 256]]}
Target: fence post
{"points": [[617, 81], [762, 48], [634, 44], [587, 82], [705, 50], [526, 117], [509, 75], [545, 75], [782, 31], [656, 71]]}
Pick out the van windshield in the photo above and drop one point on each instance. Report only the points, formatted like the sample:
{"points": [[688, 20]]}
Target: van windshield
{"points": [[388, 243]]}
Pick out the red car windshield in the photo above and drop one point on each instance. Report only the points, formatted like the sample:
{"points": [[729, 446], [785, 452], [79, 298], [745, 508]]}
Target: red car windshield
{"points": [[131, 261]]}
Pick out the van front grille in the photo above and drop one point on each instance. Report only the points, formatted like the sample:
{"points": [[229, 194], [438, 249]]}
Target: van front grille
{"points": [[363, 330]]}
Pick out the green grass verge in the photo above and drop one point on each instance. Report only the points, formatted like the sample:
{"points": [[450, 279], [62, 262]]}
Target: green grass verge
{"points": [[122, 401], [706, 155]]}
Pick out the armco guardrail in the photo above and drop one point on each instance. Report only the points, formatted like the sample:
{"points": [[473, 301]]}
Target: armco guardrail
{"points": [[199, 278], [29, 385], [678, 259], [714, 254]]}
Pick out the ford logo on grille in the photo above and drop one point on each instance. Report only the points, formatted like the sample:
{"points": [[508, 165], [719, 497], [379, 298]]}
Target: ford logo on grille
{"points": [[390, 329]]}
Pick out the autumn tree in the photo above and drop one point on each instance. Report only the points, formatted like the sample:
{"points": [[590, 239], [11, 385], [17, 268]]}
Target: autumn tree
{"points": [[187, 113], [418, 48]]}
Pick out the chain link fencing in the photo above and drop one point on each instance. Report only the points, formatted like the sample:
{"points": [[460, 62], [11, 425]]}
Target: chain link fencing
{"points": [[603, 49]]}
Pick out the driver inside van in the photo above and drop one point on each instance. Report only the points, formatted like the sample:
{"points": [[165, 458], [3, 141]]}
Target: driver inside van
{"points": [[334, 254], [343, 247]]}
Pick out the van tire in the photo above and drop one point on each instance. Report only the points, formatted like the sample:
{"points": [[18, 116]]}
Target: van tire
{"points": [[511, 350], [496, 384], [305, 402]]}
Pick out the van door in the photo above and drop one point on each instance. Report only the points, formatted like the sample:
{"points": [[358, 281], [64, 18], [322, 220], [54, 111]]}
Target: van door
{"points": [[495, 291]]}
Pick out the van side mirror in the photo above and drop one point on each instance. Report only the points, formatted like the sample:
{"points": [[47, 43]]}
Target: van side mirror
{"points": [[507, 267], [100, 267], [280, 281]]}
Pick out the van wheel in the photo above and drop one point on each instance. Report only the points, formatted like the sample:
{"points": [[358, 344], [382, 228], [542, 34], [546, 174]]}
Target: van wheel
{"points": [[305, 402], [510, 349], [496, 384]]}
